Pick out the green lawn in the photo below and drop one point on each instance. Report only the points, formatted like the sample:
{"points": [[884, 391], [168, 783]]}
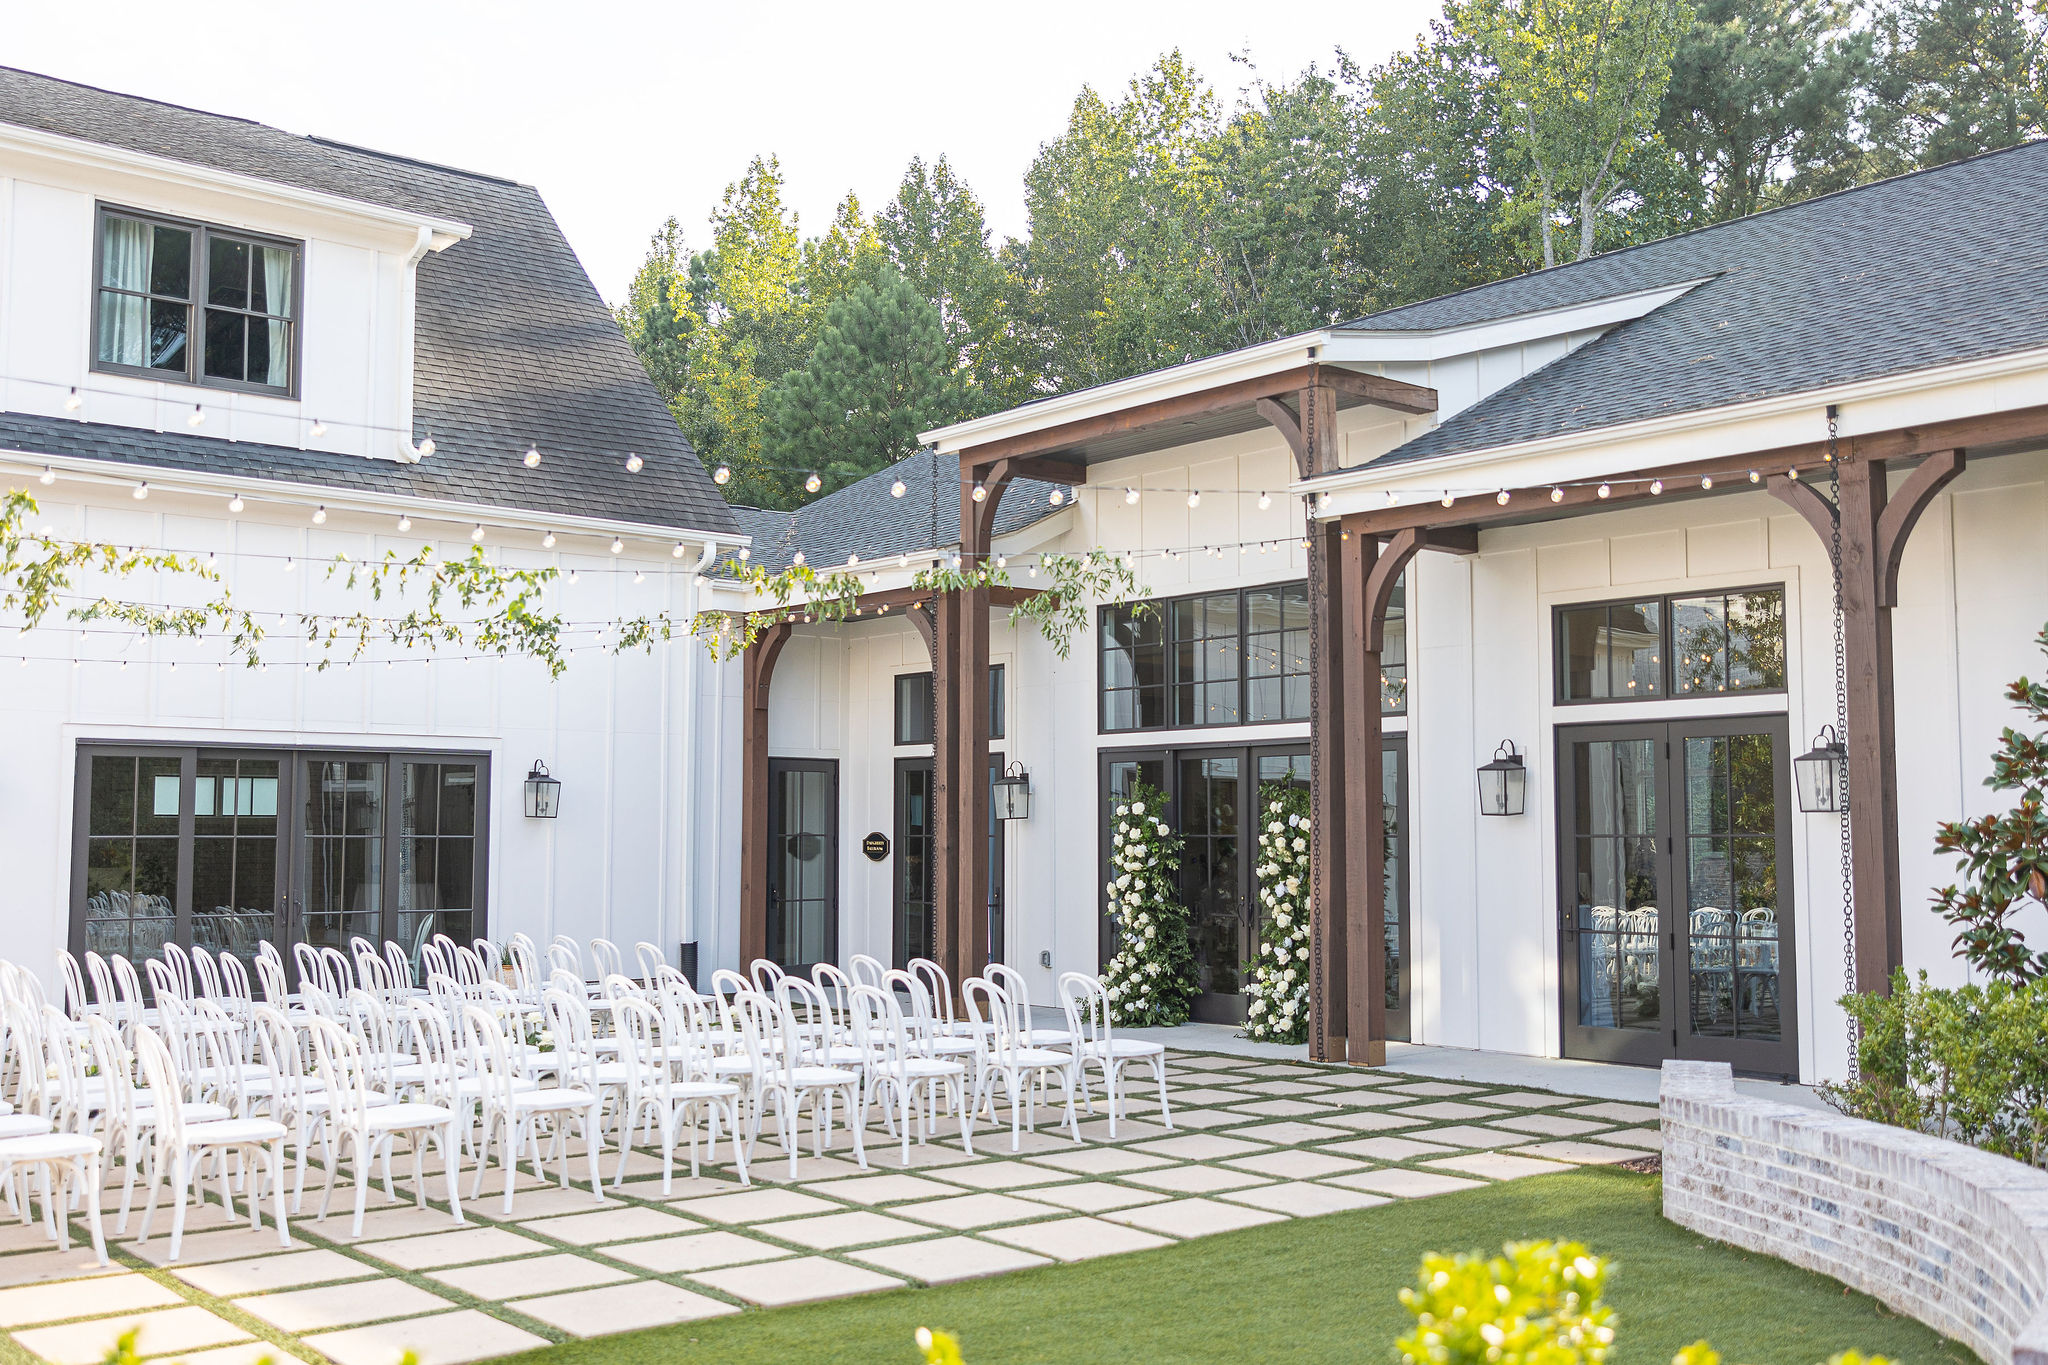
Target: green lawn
{"points": [[1321, 1289]]}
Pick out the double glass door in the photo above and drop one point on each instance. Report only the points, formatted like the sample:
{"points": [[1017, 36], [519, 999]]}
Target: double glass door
{"points": [[1213, 803], [1676, 904], [224, 848], [913, 933]]}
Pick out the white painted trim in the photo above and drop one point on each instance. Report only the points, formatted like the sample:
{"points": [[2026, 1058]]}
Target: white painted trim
{"points": [[82, 151], [1991, 384]]}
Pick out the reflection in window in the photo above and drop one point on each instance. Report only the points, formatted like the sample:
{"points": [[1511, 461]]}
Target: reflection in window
{"points": [[437, 852], [1729, 642], [131, 854], [1276, 652], [1223, 658], [1394, 652], [184, 301], [1133, 667], [1664, 646], [1205, 659]]}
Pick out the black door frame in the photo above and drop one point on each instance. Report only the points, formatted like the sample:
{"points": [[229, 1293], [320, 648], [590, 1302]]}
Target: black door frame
{"points": [[778, 768], [288, 895], [997, 862], [1674, 1037], [1167, 756], [899, 872]]}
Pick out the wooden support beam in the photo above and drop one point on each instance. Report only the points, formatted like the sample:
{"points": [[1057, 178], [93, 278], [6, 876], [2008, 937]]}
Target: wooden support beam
{"points": [[1283, 420], [758, 669], [1222, 398], [1329, 965], [967, 741], [1044, 468], [1901, 513], [1380, 391], [1806, 500], [1361, 579]]}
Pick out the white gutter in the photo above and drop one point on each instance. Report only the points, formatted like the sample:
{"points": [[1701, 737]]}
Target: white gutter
{"points": [[445, 232], [120, 474], [1992, 384]]}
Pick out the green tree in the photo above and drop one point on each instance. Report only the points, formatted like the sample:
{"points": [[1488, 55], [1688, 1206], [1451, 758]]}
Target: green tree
{"points": [[656, 316], [937, 236], [1582, 81], [880, 373], [1762, 102], [1958, 77]]}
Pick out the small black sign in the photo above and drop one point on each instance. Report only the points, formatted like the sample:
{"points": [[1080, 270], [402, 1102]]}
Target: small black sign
{"points": [[876, 846]]}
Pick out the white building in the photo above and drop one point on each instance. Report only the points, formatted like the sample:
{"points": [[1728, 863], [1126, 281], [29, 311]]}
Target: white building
{"points": [[1629, 601], [236, 344]]}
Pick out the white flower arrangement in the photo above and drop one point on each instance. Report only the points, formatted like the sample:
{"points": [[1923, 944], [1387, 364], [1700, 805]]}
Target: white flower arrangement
{"points": [[1151, 979], [1276, 988]]}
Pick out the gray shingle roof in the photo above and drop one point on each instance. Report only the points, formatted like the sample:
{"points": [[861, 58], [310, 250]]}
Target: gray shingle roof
{"points": [[512, 343], [1933, 268], [866, 519]]}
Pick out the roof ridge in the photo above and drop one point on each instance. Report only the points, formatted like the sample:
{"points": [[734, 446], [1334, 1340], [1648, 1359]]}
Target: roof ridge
{"points": [[1880, 182], [443, 166]]}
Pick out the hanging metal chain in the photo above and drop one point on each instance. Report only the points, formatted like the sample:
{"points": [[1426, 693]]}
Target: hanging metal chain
{"points": [[1842, 727]]}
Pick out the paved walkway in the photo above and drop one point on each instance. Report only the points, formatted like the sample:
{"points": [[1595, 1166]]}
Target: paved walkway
{"points": [[1598, 1080], [1255, 1141]]}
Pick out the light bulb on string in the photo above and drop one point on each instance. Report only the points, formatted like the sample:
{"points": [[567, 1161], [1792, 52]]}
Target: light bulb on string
{"points": [[898, 489], [1057, 496], [49, 476], [320, 516], [1501, 497], [319, 429], [1755, 477], [72, 402], [1557, 495], [797, 559], [476, 532], [639, 576], [634, 464], [198, 417], [1605, 490], [547, 542], [1130, 497], [289, 565], [980, 491], [1194, 500], [678, 551], [1265, 501], [813, 483], [1656, 487], [618, 546], [532, 457], [404, 522], [722, 475], [235, 503], [141, 491], [1449, 499]]}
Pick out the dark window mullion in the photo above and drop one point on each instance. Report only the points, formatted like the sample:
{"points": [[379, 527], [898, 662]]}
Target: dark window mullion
{"points": [[188, 782]]}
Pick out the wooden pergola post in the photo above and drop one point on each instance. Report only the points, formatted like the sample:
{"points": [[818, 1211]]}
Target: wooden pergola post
{"points": [[757, 671], [1873, 529]]}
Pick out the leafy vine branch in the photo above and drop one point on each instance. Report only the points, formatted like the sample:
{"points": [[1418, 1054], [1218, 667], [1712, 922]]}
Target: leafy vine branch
{"points": [[800, 592], [500, 609]]}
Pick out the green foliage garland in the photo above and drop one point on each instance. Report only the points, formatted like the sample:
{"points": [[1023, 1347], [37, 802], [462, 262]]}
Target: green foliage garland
{"points": [[1151, 980], [1276, 1006]]}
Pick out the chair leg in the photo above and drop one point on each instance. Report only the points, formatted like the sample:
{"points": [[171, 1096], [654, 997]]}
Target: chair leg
{"points": [[450, 1147], [1159, 1070], [184, 1179], [92, 1208], [284, 1236], [590, 1145]]}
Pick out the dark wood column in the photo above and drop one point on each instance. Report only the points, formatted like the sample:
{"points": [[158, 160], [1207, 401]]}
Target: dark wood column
{"points": [[1874, 529], [758, 668], [1363, 831]]}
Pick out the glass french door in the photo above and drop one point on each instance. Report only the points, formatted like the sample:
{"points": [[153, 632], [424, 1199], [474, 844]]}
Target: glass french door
{"points": [[1676, 923], [1213, 802], [911, 895], [223, 848], [803, 862]]}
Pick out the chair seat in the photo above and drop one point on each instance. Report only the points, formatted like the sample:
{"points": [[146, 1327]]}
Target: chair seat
{"points": [[47, 1147], [220, 1132], [1122, 1047], [475, 1087], [194, 1112], [807, 1076], [1032, 1057], [919, 1067], [1048, 1037], [552, 1098], [950, 1046], [388, 1117], [737, 1065], [321, 1102], [23, 1125]]}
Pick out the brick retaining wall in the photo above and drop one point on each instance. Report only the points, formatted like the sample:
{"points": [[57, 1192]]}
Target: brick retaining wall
{"points": [[1944, 1233]]}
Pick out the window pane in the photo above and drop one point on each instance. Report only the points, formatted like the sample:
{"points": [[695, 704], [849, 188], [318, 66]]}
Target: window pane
{"points": [[169, 324], [270, 284], [158, 778], [270, 352], [997, 721], [111, 807], [1699, 642], [914, 708], [170, 265], [458, 798], [124, 329], [1582, 669], [227, 272], [226, 344], [1756, 639], [1637, 642]]}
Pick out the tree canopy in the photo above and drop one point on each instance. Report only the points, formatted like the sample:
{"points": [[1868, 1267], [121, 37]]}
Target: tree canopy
{"points": [[1167, 223]]}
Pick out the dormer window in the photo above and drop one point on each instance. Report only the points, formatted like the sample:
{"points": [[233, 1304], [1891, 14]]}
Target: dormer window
{"points": [[196, 304]]}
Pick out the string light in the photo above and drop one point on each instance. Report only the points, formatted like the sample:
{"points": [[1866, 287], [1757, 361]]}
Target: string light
{"points": [[476, 532], [1393, 498], [634, 464], [1656, 487], [404, 523], [678, 551], [319, 429], [1194, 500], [1502, 497], [980, 492], [1755, 477], [288, 564], [1056, 497], [722, 475], [618, 546], [49, 476], [141, 490], [897, 489], [1448, 499], [198, 417], [235, 504], [1706, 480], [1605, 490], [798, 559], [72, 402], [1130, 497], [1557, 495], [1265, 500], [320, 516], [532, 457], [547, 542], [813, 483]]}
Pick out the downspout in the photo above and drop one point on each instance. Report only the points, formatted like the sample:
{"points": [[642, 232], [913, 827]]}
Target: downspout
{"points": [[408, 453], [688, 836]]}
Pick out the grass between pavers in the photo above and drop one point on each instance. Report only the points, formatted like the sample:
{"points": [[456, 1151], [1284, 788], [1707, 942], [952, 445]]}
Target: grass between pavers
{"points": [[1322, 1289]]}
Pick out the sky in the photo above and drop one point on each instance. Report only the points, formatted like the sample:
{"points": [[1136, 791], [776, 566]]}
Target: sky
{"points": [[624, 114]]}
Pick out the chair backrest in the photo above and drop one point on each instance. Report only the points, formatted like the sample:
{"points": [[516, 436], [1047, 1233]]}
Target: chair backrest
{"points": [[370, 1024], [278, 1050], [938, 986], [758, 1028], [163, 982], [1086, 1003], [487, 1056], [165, 1086], [64, 1061], [306, 958], [643, 1038], [834, 985], [880, 1030], [270, 972], [234, 981], [441, 1057], [181, 964], [74, 987], [337, 973], [525, 967], [400, 963], [130, 988], [102, 982], [434, 962], [469, 967], [116, 1066], [216, 1048], [605, 956], [804, 1004], [764, 973], [487, 953], [568, 1020], [1013, 986], [344, 1078], [987, 1004], [919, 1018], [206, 975], [651, 960], [865, 970]]}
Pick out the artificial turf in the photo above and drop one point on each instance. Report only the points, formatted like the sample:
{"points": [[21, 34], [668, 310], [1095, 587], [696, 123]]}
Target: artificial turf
{"points": [[1321, 1289]]}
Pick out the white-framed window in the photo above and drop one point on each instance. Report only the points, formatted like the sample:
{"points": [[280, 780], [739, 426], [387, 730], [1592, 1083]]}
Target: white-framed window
{"points": [[195, 304]]}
